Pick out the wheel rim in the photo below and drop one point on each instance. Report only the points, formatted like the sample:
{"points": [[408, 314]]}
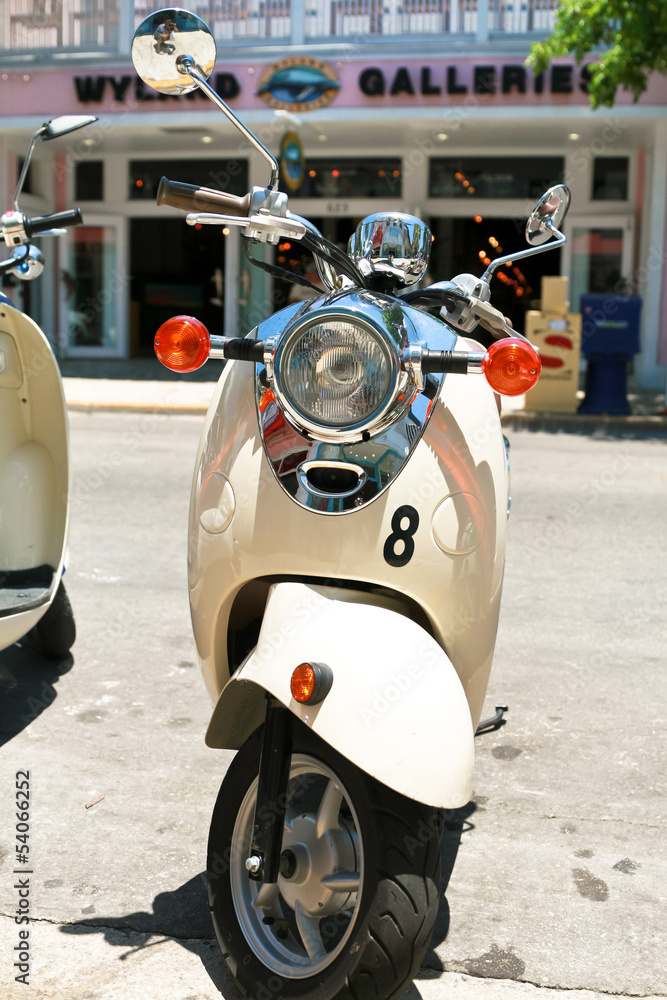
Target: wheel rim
{"points": [[299, 926]]}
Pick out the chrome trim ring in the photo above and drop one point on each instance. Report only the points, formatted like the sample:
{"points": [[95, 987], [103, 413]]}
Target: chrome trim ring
{"points": [[305, 467], [345, 432]]}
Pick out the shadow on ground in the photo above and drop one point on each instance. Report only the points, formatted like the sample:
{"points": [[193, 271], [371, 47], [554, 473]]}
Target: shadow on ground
{"points": [[184, 915], [457, 821], [27, 686]]}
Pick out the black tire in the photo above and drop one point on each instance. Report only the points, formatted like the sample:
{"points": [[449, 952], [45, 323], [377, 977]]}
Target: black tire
{"points": [[54, 634], [372, 953]]}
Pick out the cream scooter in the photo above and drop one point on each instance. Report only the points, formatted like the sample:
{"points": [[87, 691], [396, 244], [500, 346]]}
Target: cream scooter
{"points": [[34, 443], [346, 551]]}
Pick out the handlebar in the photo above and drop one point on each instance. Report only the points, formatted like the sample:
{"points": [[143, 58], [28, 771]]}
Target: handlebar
{"points": [[200, 199], [42, 223], [451, 362]]}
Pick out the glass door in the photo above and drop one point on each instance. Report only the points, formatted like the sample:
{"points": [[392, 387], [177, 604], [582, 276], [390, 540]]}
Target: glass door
{"points": [[94, 284], [600, 256]]}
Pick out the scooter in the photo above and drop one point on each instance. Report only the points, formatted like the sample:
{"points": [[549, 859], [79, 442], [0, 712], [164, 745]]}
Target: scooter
{"points": [[34, 444], [345, 565]]}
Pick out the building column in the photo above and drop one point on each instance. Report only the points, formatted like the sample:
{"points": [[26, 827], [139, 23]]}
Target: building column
{"points": [[652, 273]]}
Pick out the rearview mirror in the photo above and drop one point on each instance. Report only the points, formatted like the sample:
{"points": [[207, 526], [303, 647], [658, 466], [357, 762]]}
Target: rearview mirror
{"points": [[162, 44], [64, 124], [547, 215]]}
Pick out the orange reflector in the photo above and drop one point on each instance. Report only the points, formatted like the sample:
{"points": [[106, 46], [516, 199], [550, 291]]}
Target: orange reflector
{"points": [[182, 344], [511, 366], [303, 683]]}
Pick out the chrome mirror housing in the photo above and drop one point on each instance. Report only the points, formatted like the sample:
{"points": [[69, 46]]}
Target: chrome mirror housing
{"points": [[50, 130], [64, 124], [29, 262], [391, 243], [547, 215], [166, 43]]}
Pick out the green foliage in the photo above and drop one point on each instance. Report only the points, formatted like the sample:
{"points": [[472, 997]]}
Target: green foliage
{"points": [[633, 32]]}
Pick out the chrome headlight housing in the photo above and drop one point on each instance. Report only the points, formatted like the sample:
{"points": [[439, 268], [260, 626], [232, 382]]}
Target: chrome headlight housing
{"points": [[336, 376]]}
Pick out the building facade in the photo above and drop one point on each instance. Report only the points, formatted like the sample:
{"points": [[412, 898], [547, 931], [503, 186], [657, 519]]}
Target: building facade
{"points": [[422, 106]]}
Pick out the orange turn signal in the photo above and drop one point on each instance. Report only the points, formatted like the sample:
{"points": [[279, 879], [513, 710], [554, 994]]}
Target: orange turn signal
{"points": [[182, 344], [511, 366], [310, 683]]}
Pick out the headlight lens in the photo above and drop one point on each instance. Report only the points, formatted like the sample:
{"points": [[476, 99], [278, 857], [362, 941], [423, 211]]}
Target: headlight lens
{"points": [[336, 373]]}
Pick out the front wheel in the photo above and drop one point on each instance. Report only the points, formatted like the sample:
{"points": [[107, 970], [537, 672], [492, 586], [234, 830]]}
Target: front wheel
{"points": [[353, 910]]}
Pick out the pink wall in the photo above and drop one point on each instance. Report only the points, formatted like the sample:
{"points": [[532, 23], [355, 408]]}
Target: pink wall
{"points": [[48, 92]]}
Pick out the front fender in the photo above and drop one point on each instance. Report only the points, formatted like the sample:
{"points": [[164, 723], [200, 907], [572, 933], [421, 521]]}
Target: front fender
{"points": [[396, 707]]}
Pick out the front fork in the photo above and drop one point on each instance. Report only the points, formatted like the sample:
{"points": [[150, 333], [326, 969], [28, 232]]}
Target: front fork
{"points": [[264, 862]]}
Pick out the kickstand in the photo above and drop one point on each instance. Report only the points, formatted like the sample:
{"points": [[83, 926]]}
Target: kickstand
{"points": [[494, 722]]}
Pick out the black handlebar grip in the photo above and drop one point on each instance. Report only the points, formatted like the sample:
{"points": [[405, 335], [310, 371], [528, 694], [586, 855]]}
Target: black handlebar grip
{"points": [[453, 362], [42, 223], [191, 198], [244, 349]]}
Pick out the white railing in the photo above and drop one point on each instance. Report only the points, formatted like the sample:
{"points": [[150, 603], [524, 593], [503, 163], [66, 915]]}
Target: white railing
{"points": [[34, 26], [234, 20], [59, 25], [522, 16], [388, 18]]}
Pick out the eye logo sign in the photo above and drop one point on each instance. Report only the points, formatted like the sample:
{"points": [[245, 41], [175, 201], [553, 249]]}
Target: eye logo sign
{"points": [[298, 84]]}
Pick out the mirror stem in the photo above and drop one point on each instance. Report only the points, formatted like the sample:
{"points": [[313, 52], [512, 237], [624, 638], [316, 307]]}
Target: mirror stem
{"points": [[203, 85], [495, 264], [26, 164]]}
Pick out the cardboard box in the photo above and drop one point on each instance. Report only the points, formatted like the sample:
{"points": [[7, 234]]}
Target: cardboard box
{"points": [[554, 295], [558, 338]]}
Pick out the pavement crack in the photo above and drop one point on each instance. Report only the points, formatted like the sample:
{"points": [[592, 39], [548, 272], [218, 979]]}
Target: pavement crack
{"points": [[519, 810], [112, 927], [458, 967]]}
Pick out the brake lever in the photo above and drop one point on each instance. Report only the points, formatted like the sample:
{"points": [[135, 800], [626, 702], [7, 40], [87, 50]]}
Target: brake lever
{"points": [[260, 226], [493, 320]]}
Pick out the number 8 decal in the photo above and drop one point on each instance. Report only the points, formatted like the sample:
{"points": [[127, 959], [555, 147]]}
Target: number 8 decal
{"points": [[404, 535]]}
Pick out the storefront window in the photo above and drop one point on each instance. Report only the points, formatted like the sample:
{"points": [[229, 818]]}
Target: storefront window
{"points": [[91, 284], [223, 175], [497, 177], [610, 178], [89, 180], [597, 257], [352, 177]]}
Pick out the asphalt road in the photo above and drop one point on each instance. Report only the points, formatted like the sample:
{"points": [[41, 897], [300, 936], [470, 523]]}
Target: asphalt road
{"points": [[560, 875]]}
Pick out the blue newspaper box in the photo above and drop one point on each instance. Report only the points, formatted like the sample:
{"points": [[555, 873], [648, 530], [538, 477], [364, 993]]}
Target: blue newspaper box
{"points": [[609, 339]]}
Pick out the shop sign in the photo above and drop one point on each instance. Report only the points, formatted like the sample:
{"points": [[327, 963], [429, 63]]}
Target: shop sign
{"points": [[453, 79], [94, 89], [298, 83]]}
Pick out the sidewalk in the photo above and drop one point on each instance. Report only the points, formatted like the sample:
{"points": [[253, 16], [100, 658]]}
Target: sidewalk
{"points": [[142, 384], [649, 417]]}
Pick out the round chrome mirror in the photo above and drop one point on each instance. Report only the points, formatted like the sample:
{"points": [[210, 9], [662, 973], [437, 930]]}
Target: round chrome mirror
{"points": [[165, 43], [552, 207], [392, 243]]}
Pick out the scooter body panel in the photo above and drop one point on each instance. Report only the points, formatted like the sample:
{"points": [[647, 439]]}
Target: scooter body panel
{"points": [[34, 462], [396, 706], [246, 532]]}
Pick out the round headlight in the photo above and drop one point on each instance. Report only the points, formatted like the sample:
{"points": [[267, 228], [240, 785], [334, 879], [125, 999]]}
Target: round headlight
{"points": [[337, 374]]}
